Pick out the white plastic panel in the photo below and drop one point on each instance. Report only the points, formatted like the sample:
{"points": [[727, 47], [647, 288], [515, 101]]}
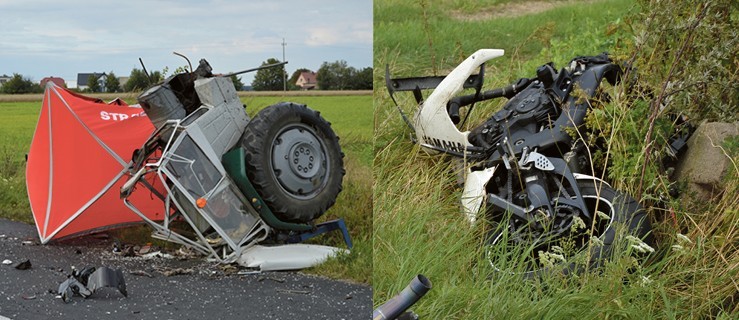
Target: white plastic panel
{"points": [[286, 257], [432, 123], [474, 192]]}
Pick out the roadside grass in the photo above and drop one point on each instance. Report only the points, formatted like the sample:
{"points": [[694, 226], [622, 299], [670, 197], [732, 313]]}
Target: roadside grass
{"points": [[418, 222], [17, 124], [350, 116]]}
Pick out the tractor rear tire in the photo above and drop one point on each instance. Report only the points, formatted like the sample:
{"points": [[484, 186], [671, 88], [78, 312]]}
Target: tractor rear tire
{"points": [[294, 160]]}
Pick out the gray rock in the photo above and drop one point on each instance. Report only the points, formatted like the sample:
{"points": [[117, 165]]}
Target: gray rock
{"points": [[705, 164]]}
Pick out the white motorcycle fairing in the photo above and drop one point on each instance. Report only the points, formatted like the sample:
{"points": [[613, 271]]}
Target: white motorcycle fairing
{"points": [[432, 123], [474, 193]]}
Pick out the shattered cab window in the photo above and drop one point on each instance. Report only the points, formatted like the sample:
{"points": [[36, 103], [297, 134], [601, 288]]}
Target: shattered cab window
{"points": [[192, 169], [230, 213]]}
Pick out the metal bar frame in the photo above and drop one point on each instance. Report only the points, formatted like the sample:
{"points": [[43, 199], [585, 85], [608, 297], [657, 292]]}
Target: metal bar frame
{"points": [[232, 250]]}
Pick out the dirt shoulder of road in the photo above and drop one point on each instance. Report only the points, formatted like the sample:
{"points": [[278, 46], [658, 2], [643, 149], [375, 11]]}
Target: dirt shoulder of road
{"points": [[513, 9]]}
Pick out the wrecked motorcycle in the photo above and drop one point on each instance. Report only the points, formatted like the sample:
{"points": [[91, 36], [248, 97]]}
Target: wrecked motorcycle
{"points": [[233, 180], [526, 165]]}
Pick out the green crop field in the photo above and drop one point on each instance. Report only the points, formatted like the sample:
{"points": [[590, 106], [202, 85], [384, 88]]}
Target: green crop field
{"points": [[17, 124], [419, 227], [351, 118]]}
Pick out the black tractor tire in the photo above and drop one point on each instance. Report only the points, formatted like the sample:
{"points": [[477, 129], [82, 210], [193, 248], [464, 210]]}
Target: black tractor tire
{"points": [[294, 161], [627, 217]]}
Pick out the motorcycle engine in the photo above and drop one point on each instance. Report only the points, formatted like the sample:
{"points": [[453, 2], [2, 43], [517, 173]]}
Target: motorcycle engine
{"points": [[525, 111]]}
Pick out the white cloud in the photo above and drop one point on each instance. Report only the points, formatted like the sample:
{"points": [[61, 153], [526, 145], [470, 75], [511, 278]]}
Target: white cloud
{"points": [[362, 32], [322, 36], [42, 38]]}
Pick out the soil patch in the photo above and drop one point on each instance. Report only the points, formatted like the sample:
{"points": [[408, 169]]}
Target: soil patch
{"points": [[512, 10]]}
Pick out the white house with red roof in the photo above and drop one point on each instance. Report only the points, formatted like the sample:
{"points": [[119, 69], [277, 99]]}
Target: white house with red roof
{"points": [[307, 80]]}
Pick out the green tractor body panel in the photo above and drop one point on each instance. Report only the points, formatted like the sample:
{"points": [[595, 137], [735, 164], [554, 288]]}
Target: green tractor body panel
{"points": [[233, 162]]}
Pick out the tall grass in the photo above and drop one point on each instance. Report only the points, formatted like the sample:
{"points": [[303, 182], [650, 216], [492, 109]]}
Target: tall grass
{"points": [[419, 226]]}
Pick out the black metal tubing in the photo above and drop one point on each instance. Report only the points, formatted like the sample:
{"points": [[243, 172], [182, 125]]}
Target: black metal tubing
{"points": [[461, 101], [416, 84], [255, 69]]}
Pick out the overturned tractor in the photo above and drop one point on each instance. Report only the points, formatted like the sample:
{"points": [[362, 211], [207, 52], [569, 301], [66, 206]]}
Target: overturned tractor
{"points": [[232, 180]]}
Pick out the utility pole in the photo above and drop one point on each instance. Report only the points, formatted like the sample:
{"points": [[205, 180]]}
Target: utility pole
{"points": [[284, 74]]}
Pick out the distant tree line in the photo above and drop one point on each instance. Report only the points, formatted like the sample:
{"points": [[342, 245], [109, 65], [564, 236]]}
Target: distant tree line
{"points": [[20, 84], [330, 76], [339, 76]]}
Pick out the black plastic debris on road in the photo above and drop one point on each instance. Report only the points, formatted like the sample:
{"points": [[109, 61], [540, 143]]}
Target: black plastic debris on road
{"points": [[85, 282], [25, 265]]}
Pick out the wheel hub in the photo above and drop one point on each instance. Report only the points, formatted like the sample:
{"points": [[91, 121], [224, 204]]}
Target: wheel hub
{"points": [[303, 160], [299, 161]]}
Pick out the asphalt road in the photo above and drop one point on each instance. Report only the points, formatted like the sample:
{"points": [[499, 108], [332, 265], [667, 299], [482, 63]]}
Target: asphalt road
{"points": [[208, 292]]}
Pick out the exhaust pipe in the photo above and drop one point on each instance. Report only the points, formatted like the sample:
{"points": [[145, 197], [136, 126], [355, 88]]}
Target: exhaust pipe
{"points": [[401, 302]]}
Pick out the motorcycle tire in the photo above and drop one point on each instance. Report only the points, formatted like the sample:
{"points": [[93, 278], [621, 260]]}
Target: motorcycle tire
{"points": [[294, 160], [626, 217]]}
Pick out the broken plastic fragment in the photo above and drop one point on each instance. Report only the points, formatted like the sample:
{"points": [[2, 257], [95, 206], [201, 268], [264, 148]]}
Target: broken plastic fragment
{"points": [[106, 277], [83, 275], [157, 255], [87, 281], [71, 287], [145, 249], [286, 257], [24, 265]]}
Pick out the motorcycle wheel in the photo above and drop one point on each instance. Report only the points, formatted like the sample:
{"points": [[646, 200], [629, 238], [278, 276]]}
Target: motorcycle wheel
{"points": [[294, 160], [513, 251]]}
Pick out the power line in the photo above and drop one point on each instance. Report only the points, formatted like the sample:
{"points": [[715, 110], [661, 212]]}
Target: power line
{"points": [[284, 74]]}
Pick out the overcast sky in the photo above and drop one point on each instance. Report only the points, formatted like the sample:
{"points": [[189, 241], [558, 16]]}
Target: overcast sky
{"points": [[62, 38]]}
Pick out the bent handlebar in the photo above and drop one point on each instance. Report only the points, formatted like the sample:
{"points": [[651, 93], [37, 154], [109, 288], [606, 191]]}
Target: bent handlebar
{"points": [[508, 91]]}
